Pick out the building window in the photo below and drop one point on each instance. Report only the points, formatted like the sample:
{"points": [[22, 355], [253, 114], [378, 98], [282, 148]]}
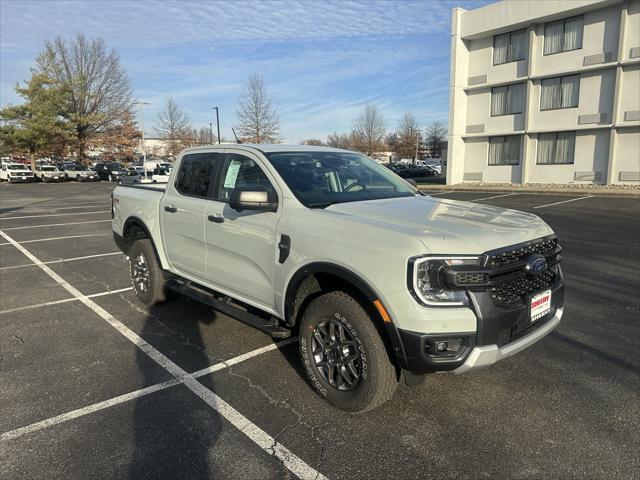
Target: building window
{"points": [[507, 100], [560, 92], [510, 47], [563, 35], [504, 150], [556, 148]]}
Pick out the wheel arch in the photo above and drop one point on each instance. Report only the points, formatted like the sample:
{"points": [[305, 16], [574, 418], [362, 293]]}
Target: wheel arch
{"points": [[314, 279], [134, 229]]}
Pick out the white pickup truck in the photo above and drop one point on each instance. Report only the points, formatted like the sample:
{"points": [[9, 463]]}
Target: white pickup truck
{"points": [[378, 280]]}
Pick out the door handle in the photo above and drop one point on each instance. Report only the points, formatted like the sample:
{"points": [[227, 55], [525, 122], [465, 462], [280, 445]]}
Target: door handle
{"points": [[216, 218], [170, 209]]}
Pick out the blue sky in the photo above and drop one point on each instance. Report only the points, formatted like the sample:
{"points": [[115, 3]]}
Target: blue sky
{"points": [[322, 61]]}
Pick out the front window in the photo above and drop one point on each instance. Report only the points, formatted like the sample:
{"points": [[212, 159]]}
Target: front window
{"points": [[49, 169], [510, 47], [560, 92], [556, 148], [319, 179], [563, 35], [507, 100], [504, 150]]}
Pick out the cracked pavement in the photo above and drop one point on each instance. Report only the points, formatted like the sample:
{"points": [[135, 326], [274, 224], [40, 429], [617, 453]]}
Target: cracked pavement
{"points": [[566, 408]]}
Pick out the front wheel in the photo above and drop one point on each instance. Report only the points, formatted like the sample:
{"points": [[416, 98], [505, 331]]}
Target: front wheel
{"points": [[145, 273], [344, 355]]}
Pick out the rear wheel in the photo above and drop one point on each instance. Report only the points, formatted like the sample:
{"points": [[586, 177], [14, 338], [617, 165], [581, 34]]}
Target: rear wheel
{"points": [[344, 355], [145, 273]]}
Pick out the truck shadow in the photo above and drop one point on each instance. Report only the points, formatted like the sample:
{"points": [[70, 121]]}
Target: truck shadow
{"points": [[174, 432]]}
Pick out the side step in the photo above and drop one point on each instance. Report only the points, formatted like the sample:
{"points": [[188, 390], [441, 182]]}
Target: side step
{"points": [[202, 294]]}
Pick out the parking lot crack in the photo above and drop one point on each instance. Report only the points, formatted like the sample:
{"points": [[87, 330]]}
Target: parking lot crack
{"points": [[284, 404], [20, 339]]}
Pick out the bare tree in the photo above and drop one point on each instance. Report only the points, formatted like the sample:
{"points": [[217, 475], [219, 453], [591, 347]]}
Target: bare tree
{"points": [[173, 127], [313, 141], [435, 139], [409, 136], [100, 94], [339, 140], [369, 130], [257, 119]]}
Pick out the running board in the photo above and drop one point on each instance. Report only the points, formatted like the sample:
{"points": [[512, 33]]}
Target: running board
{"points": [[208, 297]]}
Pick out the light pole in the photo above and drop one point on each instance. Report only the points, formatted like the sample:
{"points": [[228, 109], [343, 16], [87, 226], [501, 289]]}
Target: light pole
{"points": [[217, 122], [417, 144], [210, 132], [144, 149]]}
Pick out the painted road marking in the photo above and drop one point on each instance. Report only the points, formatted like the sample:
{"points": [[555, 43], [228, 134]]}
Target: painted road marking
{"points": [[261, 438], [62, 260], [65, 300], [55, 225], [80, 412], [60, 238], [54, 215], [564, 201], [496, 196]]}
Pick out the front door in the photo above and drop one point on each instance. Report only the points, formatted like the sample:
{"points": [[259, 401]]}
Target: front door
{"points": [[241, 246], [182, 210]]}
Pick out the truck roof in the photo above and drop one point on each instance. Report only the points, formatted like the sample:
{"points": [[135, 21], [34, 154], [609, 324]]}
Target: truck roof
{"points": [[266, 147]]}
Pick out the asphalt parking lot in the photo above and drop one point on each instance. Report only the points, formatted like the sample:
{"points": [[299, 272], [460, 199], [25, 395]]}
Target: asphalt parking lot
{"points": [[93, 385]]}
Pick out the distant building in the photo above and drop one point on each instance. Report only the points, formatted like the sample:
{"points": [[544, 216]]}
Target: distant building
{"points": [[153, 146], [545, 91]]}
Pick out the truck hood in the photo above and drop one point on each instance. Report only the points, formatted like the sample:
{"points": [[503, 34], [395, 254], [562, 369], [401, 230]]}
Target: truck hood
{"points": [[447, 226]]}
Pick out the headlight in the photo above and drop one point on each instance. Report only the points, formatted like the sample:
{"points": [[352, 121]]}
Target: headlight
{"points": [[428, 283]]}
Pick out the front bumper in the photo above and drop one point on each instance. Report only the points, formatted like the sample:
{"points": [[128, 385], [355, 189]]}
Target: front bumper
{"points": [[95, 178], [52, 179], [500, 333], [22, 179]]}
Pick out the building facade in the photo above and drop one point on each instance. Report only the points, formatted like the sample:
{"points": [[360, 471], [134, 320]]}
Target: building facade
{"points": [[545, 91]]}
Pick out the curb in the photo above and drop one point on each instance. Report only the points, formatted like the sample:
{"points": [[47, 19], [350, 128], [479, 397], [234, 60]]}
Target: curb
{"points": [[610, 192]]}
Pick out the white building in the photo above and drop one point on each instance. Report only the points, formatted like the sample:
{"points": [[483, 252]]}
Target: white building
{"points": [[545, 91]]}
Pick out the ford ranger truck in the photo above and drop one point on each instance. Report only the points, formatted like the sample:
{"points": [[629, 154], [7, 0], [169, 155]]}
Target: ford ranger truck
{"points": [[378, 281]]}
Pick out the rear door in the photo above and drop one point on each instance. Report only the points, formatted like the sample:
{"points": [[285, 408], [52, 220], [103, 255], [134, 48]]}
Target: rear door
{"points": [[241, 246], [182, 210]]}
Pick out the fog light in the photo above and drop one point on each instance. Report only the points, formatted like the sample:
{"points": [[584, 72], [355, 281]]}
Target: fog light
{"points": [[445, 347]]}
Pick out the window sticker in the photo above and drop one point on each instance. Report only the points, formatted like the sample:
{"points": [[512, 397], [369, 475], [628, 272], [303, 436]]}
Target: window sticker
{"points": [[232, 174]]}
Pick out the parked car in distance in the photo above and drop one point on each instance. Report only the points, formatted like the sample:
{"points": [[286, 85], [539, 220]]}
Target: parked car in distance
{"points": [[16, 172], [80, 173], [133, 176], [408, 171], [160, 175], [49, 173], [110, 171], [295, 239]]}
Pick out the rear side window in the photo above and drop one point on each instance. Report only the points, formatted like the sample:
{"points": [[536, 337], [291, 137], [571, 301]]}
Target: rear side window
{"points": [[195, 174], [241, 171]]}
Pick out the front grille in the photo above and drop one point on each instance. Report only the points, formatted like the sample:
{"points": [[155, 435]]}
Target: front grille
{"points": [[462, 278], [516, 291], [505, 257]]}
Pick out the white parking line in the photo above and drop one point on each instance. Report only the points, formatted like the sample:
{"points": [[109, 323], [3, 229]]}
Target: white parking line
{"points": [[60, 238], [54, 215], [564, 201], [65, 300], [439, 193], [55, 225], [495, 196], [62, 260], [84, 206], [242, 423]]}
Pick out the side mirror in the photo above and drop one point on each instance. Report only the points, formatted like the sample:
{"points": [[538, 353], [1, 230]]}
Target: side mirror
{"points": [[253, 198], [412, 182]]}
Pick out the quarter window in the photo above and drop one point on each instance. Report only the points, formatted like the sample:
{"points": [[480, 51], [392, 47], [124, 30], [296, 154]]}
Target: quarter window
{"points": [[507, 100], [563, 35], [561, 92], [510, 47], [241, 171], [556, 148], [504, 150], [196, 171]]}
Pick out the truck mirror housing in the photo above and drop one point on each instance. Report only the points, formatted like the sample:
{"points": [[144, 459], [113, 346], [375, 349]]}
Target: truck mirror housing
{"points": [[253, 198]]}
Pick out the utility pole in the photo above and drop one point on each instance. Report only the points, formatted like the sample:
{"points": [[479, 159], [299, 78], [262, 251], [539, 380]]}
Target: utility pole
{"points": [[417, 144], [217, 122], [144, 149], [210, 132]]}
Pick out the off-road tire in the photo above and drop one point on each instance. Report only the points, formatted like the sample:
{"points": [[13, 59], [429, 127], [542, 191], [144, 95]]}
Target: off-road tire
{"points": [[378, 380], [155, 292]]}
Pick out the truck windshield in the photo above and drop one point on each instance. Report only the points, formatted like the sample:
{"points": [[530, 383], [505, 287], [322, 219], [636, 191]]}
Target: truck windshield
{"points": [[15, 167], [319, 179]]}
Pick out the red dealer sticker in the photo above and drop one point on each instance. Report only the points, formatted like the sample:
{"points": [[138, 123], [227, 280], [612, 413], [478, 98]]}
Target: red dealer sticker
{"points": [[540, 305]]}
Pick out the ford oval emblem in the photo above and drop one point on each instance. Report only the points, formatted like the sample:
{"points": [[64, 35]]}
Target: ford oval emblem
{"points": [[536, 264]]}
